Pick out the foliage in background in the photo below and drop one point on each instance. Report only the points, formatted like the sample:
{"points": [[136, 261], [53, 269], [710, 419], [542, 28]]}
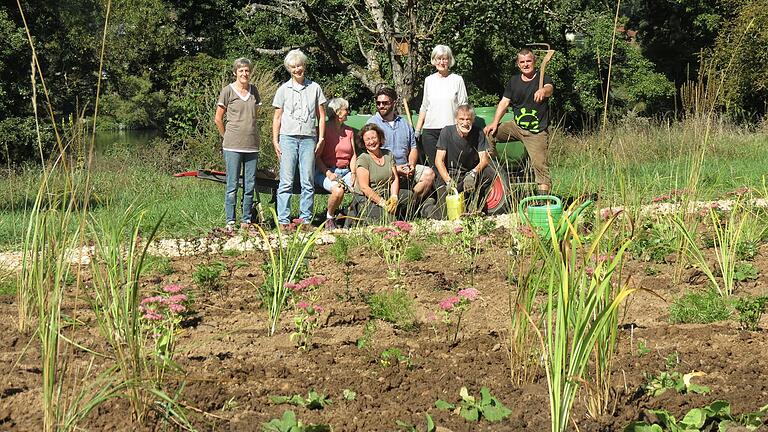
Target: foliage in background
{"points": [[700, 308]]}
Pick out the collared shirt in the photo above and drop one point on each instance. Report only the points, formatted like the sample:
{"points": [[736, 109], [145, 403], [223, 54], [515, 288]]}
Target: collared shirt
{"points": [[299, 103], [399, 138]]}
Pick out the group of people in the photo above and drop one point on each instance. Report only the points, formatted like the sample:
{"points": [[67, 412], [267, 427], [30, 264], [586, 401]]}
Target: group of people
{"points": [[388, 174]]}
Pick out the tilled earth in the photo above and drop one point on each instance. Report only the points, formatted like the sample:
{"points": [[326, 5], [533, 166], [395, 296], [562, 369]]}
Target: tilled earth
{"points": [[231, 367]]}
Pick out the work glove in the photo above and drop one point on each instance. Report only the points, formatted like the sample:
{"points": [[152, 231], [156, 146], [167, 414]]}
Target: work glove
{"points": [[470, 182], [450, 185], [391, 205]]}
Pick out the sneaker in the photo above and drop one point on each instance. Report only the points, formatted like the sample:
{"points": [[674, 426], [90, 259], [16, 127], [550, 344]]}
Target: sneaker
{"points": [[330, 224], [230, 226]]}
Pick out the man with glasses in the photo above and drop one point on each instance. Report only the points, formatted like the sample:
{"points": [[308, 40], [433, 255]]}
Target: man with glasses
{"points": [[400, 140]]}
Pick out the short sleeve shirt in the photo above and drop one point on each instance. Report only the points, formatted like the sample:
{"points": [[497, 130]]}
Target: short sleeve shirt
{"points": [[529, 115], [299, 103], [241, 132], [442, 96], [380, 177], [338, 148], [461, 154], [399, 137]]}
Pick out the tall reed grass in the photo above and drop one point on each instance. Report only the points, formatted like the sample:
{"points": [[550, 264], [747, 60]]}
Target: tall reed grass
{"points": [[580, 317]]}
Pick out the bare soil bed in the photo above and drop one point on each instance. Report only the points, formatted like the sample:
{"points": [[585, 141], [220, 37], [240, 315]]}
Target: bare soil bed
{"points": [[231, 367]]}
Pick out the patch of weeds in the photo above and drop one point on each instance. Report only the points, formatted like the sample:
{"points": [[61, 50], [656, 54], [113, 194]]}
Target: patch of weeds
{"points": [[656, 385], [394, 306], [208, 276], [651, 271], [655, 242], [240, 264], [672, 360], [159, 264], [642, 348], [715, 416], [392, 356], [313, 401], [473, 409], [699, 308], [289, 423], [414, 252], [231, 253], [743, 272], [340, 249], [368, 332], [750, 311]]}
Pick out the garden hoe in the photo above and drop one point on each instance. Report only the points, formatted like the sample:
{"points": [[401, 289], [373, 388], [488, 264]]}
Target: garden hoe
{"points": [[548, 53]]}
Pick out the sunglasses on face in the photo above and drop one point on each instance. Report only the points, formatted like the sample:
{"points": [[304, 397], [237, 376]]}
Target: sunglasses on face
{"points": [[383, 103]]}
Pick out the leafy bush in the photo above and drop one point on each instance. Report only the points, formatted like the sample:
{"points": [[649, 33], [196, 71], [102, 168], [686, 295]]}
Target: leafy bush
{"points": [[654, 242], [18, 140], [414, 252], [394, 306], [750, 311], [340, 249], [700, 308]]}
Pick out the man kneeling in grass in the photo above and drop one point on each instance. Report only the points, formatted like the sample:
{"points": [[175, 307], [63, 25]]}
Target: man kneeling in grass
{"points": [[462, 162]]}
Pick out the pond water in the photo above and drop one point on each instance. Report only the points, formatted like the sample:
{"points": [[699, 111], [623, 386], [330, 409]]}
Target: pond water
{"points": [[106, 140]]}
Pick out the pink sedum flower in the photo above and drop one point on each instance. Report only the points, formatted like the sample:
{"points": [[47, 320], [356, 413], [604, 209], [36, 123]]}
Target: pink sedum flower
{"points": [[302, 305], [153, 316], [173, 288], [153, 299], [318, 309], [403, 226], [447, 304], [176, 308], [178, 298], [469, 294], [458, 230]]}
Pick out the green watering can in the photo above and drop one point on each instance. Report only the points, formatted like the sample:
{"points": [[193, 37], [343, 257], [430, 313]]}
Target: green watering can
{"points": [[537, 216]]}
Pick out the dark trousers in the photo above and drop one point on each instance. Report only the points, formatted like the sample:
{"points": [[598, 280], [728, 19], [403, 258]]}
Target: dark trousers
{"points": [[429, 146], [473, 201], [364, 211]]}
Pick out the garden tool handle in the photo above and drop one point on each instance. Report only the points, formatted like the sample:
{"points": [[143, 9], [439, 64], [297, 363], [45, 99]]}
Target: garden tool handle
{"points": [[522, 206]]}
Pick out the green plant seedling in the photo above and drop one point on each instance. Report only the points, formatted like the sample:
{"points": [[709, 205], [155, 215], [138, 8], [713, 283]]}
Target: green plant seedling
{"points": [[642, 348], [715, 416], [414, 252], [240, 264], [395, 306], [411, 428], [340, 250], [159, 264], [368, 332], [231, 253], [744, 272], [750, 311], [472, 409], [208, 276], [349, 395], [657, 385], [672, 360], [313, 401], [289, 423], [391, 356]]}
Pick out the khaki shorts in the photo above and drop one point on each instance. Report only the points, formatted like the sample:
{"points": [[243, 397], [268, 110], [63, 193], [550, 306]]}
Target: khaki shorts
{"points": [[536, 144], [408, 183]]}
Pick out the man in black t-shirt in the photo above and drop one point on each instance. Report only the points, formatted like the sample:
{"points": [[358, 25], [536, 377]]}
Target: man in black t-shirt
{"points": [[528, 95], [462, 161]]}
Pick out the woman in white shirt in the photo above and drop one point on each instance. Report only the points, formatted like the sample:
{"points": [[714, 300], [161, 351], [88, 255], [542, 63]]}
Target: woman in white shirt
{"points": [[443, 93]]}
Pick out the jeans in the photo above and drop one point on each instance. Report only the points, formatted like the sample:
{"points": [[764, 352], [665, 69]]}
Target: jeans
{"points": [[237, 163], [297, 150], [343, 173]]}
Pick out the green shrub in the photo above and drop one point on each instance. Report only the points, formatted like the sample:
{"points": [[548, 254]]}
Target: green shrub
{"points": [[655, 242], [744, 272], [340, 249], [701, 308], [395, 306], [750, 311]]}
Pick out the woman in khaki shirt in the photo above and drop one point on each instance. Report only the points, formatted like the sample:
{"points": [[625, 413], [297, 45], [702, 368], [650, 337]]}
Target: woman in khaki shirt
{"points": [[240, 101]]}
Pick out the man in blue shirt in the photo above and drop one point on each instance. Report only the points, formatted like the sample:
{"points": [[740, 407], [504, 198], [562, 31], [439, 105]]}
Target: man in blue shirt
{"points": [[400, 140]]}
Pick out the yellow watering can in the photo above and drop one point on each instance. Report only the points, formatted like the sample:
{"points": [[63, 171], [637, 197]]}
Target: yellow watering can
{"points": [[454, 202]]}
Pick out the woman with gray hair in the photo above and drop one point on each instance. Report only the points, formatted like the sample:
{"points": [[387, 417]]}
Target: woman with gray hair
{"points": [[335, 158], [443, 93], [297, 126], [240, 101]]}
